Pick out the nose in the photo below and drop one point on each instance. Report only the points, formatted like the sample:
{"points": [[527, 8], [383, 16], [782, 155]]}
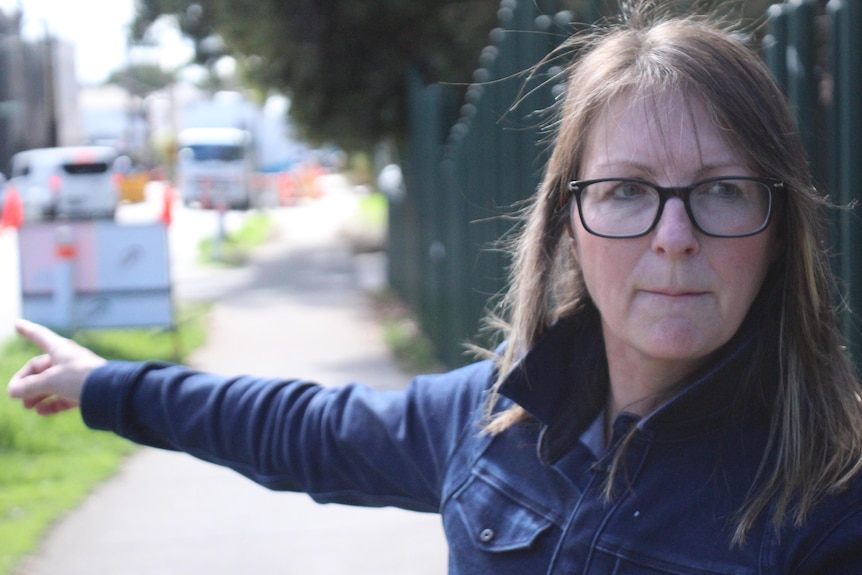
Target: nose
{"points": [[675, 234]]}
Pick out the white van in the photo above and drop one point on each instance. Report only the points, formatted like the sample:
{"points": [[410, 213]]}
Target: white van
{"points": [[73, 182], [216, 167]]}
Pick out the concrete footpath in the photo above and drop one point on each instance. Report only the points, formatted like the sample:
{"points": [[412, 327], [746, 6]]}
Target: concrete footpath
{"points": [[299, 309]]}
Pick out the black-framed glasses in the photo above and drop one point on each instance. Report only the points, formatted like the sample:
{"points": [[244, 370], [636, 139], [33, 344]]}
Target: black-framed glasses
{"points": [[728, 207]]}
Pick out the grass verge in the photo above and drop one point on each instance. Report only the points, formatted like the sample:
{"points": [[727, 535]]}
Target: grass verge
{"points": [[373, 211], [366, 230], [49, 464], [235, 247], [413, 350]]}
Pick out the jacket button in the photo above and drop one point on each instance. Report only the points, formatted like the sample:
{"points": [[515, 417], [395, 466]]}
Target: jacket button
{"points": [[486, 535]]}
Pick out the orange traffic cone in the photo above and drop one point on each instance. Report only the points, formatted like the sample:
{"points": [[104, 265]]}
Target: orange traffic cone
{"points": [[13, 210]]}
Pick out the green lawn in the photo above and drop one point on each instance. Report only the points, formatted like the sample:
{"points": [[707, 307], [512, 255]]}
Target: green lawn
{"points": [[235, 247], [49, 464]]}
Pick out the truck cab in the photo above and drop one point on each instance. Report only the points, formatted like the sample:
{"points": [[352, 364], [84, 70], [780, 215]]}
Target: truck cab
{"points": [[215, 168]]}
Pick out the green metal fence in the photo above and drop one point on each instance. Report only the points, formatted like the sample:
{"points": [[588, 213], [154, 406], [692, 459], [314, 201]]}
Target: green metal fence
{"points": [[473, 159], [816, 54]]}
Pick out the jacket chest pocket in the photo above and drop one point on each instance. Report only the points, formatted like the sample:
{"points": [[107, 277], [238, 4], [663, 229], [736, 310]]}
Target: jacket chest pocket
{"points": [[606, 561], [493, 517]]}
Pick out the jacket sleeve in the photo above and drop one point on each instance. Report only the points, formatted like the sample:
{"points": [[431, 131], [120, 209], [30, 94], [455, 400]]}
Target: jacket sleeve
{"points": [[347, 445]]}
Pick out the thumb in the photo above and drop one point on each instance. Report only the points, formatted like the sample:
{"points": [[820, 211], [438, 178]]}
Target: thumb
{"points": [[33, 379], [46, 387]]}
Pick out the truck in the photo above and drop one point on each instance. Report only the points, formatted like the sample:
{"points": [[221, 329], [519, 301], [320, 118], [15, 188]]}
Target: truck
{"points": [[216, 168]]}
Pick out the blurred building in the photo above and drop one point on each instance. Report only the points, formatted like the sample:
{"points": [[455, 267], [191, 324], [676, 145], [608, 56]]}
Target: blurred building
{"points": [[38, 92], [110, 116]]}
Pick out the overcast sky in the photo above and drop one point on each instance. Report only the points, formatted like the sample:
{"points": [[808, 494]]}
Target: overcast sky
{"points": [[97, 28]]}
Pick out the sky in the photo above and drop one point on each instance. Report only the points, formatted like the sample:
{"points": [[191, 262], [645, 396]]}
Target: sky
{"points": [[98, 29]]}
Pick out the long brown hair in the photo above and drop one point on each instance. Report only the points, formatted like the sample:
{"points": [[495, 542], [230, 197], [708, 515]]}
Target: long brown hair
{"points": [[816, 430]]}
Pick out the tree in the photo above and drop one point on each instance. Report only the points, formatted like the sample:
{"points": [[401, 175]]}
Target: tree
{"points": [[141, 80], [342, 62]]}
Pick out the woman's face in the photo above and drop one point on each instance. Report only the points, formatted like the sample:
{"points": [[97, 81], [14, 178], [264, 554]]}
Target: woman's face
{"points": [[670, 298]]}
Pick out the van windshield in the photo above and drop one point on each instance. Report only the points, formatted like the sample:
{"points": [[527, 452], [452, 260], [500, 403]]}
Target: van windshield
{"points": [[218, 152]]}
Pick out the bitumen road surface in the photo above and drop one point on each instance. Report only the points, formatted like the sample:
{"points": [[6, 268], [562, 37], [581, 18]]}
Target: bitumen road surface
{"points": [[300, 308]]}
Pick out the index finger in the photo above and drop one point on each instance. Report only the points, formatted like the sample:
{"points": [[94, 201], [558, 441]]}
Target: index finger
{"points": [[43, 337]]}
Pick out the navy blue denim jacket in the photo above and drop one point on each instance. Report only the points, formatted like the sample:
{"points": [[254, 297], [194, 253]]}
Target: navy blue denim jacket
{"points": [[527, 501]]}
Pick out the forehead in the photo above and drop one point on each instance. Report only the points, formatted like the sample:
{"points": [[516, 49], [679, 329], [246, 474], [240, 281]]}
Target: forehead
{"points": [[669, 134]]}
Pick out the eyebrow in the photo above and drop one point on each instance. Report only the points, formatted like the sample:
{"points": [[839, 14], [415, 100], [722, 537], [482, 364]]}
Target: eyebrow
{"points": [[650, 170]]}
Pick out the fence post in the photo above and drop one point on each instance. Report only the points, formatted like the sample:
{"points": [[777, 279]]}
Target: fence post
{"points": [[803, 81], [775, 44], [846, 154]]}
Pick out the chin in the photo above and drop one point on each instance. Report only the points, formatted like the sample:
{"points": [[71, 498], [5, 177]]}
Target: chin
{"points": [[681, 344]]}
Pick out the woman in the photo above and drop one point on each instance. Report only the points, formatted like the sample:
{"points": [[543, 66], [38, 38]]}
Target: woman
{"points": [[672, 397]]}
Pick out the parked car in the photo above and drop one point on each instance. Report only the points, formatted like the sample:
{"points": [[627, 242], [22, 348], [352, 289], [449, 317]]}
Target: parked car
{"points": [[72, 182]]}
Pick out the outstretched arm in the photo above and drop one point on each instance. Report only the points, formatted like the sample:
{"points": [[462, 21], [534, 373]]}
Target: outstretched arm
{"points": [[52, 382], [347, 444]]}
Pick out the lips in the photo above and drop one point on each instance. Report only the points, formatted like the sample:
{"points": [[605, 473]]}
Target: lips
{"points": [[675, 293]]}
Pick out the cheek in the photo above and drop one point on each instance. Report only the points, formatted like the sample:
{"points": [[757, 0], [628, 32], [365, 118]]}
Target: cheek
{"points": [[605, 264], [743, 272]]}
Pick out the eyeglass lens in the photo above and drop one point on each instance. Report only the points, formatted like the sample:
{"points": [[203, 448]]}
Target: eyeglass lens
{"points": [[731, 207]]}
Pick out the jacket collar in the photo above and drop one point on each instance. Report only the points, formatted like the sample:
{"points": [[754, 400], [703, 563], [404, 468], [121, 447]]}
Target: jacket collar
{"points": [[563, 382]]}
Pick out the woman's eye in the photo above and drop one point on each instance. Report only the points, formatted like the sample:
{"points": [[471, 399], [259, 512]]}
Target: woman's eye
{"points": [[726, 190], [629, 190]]}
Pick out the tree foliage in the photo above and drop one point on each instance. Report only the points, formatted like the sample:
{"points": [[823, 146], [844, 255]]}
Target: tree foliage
{"points": [[141, 79], [343, 62]]}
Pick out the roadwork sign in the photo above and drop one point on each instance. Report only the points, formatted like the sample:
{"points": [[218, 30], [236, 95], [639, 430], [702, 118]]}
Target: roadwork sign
{"points": [[95, 274]]}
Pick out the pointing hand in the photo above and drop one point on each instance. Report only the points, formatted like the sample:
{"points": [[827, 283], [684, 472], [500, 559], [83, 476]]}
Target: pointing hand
{"points": [[52, 382]]}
